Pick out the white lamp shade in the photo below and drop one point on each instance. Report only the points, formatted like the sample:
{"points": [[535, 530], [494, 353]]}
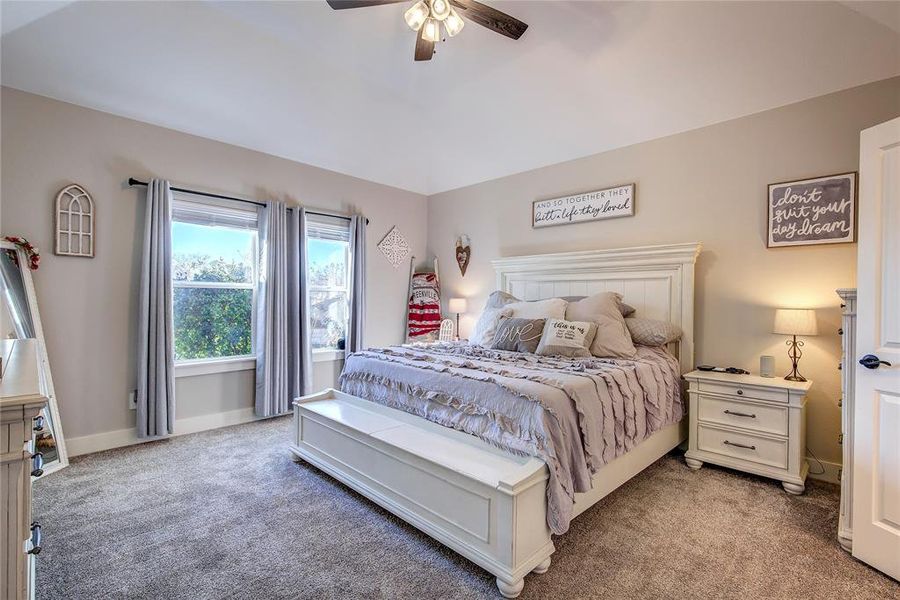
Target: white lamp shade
{"points": [[457, 305], [453, 23], [440, 9], [431, 30], [795, 321], [416, 15]]}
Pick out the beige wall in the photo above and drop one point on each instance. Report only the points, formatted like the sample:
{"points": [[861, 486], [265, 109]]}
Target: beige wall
{"points": [[88, 305], [706, 185]]}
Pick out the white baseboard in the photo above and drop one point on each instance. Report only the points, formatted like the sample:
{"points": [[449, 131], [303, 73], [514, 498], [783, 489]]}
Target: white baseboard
{"points": [[832, 472], [126, 437]]}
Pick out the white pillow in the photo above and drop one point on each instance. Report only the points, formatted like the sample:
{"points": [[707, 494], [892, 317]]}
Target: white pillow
{"points": [[567, 338], [486, 327], [552, 308]]}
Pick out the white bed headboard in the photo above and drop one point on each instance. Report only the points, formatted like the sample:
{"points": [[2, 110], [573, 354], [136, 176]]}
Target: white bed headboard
{"points": [[656, 280]]}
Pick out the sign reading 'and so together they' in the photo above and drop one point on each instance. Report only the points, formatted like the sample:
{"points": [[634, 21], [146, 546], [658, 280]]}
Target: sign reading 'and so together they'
{"points": [[813, 211], [589, 206]]}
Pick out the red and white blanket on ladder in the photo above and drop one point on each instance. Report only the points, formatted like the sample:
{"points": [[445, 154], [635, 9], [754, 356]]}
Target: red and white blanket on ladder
{"points": [[424, 316]]}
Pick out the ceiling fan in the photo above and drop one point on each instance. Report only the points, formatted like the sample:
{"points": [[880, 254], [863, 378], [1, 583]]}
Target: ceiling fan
{"points": [[427, 16]]}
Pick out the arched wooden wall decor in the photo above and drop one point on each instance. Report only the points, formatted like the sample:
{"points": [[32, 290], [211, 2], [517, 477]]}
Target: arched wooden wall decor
{"points": [[74, 222]]}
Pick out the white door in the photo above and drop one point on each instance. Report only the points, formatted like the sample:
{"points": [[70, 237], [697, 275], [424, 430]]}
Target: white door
{"points": [[876, 456]]}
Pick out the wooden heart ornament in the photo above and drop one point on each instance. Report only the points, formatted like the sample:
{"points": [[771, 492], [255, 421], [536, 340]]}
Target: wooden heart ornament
{"points": [[463, 254]]}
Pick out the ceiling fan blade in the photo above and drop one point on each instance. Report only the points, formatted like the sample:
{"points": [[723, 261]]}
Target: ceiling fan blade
{"points": [[342, 4], [424, 48], [491, 18]]}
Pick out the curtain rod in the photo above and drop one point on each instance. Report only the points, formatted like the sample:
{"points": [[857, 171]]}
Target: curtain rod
{"points": [[135, 182]]}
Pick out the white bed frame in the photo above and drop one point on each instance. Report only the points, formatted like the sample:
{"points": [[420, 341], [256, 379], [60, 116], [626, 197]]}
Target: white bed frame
{"points": [[486, 504]]}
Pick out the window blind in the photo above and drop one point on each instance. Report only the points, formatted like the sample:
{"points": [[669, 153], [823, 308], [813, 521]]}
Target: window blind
{"points": [[326, 227], [214, 213]]}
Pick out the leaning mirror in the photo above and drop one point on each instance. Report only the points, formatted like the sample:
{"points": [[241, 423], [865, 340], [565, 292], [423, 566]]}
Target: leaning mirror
{"points": [[20, 319]]}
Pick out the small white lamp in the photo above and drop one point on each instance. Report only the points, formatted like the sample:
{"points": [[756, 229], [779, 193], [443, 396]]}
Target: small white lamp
{"points": [[794, 322], [457, 305]]}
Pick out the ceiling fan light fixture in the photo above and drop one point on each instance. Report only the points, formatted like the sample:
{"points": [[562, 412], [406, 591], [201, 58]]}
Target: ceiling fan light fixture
{"points": [[453, 23], [416, 15], [440, 9], [431, 30]]}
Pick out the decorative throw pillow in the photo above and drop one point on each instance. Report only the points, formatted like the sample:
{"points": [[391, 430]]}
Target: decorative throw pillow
{"points": [[567, 338], [650, 332], [518, 335], [500, 299], [613, 339], [552, 308], [486, 327], [626, 309]]}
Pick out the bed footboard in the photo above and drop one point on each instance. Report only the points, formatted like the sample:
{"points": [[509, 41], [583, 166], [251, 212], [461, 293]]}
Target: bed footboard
{"points": [[486, 504]]}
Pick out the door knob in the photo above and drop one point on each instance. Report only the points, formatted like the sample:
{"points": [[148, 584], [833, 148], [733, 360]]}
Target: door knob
{"points": [[870, 361]]}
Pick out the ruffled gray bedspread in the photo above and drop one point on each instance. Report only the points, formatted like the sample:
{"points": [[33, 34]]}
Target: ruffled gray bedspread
{"points": [[574, 414]]}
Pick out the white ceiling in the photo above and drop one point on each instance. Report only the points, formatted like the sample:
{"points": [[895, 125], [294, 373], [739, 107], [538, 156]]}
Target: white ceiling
{"points": [[339, 89]]}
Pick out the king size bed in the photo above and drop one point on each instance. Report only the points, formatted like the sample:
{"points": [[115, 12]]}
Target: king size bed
{"points": [[492, 451]]}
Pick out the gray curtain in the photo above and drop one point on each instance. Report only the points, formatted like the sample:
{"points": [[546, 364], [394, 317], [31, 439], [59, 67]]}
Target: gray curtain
{"points": [[155, 393], [283, 348], [355, 340]]}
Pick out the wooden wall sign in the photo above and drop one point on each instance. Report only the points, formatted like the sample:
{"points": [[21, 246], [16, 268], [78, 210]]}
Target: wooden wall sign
{"points": [[608, 203], [812, 211]]}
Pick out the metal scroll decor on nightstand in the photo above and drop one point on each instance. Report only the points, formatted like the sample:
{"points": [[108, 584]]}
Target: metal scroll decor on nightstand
{"points": [[74, 222], [394, 247]]}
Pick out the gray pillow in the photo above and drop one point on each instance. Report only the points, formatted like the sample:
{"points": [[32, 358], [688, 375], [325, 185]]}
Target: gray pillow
{"points": [[567, 338], [499, 299], [650, 332], [613, 339], [518, 335]]}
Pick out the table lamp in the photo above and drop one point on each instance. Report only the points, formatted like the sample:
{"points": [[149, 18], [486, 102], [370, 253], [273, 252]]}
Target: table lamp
{"points": [[794, 322], [457, 305]]}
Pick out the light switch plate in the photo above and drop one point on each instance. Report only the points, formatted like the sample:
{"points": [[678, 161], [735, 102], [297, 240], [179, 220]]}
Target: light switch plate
{"points": [[132, 399]]}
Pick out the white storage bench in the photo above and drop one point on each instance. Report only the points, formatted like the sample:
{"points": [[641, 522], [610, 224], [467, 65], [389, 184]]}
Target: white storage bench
{"points": [[484, 503]]}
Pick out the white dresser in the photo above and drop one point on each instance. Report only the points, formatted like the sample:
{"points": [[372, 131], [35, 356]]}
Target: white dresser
{"points": [[23, 394], [848, 388], [749, 423]]}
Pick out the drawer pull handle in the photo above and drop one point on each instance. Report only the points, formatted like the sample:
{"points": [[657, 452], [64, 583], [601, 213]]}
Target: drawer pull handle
{"points": [[39, 423], [37, 464], [740, 392], [739, 414], [727, 443], [35, 539]]}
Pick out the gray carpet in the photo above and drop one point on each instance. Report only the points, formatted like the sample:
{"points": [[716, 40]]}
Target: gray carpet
{"points": [[229, 514]]}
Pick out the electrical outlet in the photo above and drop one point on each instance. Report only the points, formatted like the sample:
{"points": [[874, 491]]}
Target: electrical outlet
{"points": [[132, 399]]}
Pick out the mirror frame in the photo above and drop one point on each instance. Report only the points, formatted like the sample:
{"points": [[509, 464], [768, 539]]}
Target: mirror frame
{"points": [[42, 346]]}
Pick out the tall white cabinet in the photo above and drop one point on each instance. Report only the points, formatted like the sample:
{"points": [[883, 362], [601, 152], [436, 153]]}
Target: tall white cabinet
{"points": [[848, 388]]}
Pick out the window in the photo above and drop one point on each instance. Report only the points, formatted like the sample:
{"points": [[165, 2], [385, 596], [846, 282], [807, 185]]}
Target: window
{"points": [[328, 275], [214, 276]]}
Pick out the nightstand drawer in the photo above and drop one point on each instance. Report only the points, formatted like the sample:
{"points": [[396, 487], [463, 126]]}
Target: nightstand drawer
{"points": [[758, 417], [743, 446], [744, 391]]}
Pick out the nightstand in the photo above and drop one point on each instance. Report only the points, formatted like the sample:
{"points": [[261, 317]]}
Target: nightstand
{"points": [[749, 423]]}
